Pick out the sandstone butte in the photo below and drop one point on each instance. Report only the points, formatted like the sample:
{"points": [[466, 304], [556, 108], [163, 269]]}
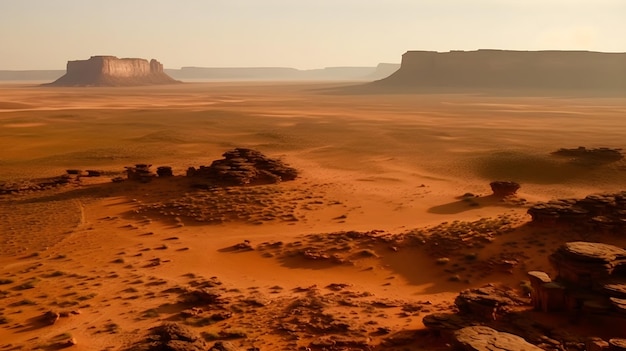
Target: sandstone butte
{"points": [[110, 71], [508, 69]]}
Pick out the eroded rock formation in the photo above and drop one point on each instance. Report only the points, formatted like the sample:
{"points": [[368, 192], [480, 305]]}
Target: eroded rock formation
{"points": [[113, 71], [243, 166], [606, 212], [595, 155], [504, 188], [506, 69], [591, 279]]}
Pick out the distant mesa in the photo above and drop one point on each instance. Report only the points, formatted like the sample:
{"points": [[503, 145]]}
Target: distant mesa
{"points": [[506, 69], [195, 74], [110, 71], [284, 73]]}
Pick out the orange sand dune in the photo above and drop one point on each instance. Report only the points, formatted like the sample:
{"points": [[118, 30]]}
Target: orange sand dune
{"points": [[392, 163]]}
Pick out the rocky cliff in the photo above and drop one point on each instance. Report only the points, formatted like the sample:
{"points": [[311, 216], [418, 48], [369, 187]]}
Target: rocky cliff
{"points": [[112, 71], [503, 69]]}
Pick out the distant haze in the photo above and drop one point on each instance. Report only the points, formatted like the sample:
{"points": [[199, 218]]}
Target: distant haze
{"points": [[45, 34]]}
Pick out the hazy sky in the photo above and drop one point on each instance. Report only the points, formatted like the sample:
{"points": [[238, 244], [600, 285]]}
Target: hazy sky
{"points": [[44, 34]]}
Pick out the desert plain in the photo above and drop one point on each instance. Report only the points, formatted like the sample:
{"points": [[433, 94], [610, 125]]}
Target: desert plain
{"points": [[362, 245]]}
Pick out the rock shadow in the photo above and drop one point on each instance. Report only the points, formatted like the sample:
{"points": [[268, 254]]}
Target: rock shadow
{"points": [[466, 203]]}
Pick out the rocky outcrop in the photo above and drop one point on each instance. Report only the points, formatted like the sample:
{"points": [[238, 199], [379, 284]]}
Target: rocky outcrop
{"points": [[589, 265], [503, 188], [171, 337], [243, 166], [604, 212], [505, 69], [112, 71], [36, 184], [591, 279]]}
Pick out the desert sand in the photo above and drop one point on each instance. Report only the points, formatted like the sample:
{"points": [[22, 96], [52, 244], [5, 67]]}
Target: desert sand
{"points": [[326, 254]]}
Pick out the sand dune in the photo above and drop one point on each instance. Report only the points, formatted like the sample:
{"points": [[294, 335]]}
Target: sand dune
{"points": [[351, 247]]}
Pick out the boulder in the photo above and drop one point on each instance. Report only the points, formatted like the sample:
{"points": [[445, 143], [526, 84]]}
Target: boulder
{"points": [[587, 264], [603, 212], [164, 171], [50, 317], [503, 188]]}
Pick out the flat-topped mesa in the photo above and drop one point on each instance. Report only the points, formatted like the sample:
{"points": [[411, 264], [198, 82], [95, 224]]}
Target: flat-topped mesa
{"points": [[506, 69], [113, 71]]}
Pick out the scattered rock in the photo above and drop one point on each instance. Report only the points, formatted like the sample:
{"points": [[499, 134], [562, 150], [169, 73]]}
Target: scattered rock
{"points": [[50, 317]]}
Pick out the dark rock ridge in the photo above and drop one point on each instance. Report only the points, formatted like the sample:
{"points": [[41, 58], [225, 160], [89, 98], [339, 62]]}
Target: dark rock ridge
{"points": [[597, 155], [505, 69], [113, 71], [605, 212]]}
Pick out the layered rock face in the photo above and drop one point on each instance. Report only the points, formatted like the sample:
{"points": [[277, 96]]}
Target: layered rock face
{"points": [[112, 71], [503, 69], [591, 279]]}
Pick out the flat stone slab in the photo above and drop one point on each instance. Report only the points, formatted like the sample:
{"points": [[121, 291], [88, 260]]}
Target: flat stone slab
{"points": [[481, 338], [446, 321], [543, 277], [592, 252]]}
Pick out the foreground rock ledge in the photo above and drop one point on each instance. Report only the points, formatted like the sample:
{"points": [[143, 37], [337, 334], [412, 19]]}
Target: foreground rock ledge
{"points": [[480, 338]]}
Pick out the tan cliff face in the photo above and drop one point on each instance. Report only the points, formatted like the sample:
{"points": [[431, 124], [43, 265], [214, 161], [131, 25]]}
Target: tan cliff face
{"points": [[112, 71], [506, 69]]}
